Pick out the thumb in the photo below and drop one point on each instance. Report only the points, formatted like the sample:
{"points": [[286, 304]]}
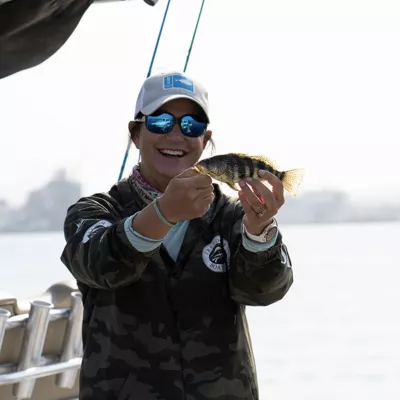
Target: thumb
{"points": [[188, 173]]}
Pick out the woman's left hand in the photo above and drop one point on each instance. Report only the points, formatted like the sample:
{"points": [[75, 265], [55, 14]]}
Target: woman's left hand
{"points": [[260, 204]]}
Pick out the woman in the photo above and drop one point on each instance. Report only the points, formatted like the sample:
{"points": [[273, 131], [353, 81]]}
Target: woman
{"points": [[166, 263]]}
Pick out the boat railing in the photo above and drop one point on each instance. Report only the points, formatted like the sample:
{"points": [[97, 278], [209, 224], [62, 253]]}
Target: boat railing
{"points": [[40, 350]]}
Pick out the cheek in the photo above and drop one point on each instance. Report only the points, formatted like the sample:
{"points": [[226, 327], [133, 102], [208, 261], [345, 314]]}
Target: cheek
{"points": [[146, 142], [197, 145]]}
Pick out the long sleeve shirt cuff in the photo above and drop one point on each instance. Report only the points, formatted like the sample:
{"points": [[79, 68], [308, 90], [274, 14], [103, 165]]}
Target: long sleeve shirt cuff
{"points": [[139, 242], [256, 247]]}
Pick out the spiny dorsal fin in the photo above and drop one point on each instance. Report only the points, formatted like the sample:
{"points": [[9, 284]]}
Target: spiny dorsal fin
{"points": [[263, 159]]}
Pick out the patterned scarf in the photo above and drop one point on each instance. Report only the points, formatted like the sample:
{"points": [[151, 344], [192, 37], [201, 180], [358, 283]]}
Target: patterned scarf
{"points": [[146, 192]]}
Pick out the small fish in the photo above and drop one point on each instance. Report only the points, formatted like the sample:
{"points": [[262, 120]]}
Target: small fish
{"points": [[233, 167]]}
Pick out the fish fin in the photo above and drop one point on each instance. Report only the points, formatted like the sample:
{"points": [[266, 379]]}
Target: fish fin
{"points": [[232, 186], [240, 154], [263, 159], [292, 180]]}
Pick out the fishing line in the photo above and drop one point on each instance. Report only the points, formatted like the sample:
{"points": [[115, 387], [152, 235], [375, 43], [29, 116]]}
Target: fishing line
{"points": [[151, 67]]}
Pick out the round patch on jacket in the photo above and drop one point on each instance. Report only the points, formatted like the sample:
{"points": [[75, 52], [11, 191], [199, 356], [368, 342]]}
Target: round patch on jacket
{"points": [[214, 256], [94, 229]]}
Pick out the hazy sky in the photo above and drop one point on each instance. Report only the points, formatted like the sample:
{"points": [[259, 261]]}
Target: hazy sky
{"points": [[310, 83]]}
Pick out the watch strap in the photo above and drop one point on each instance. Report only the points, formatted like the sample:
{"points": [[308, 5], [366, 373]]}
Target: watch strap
{"points": [[262, 237]]}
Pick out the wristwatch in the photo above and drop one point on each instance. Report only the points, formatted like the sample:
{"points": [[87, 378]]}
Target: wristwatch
{"points": [[266, 235]]}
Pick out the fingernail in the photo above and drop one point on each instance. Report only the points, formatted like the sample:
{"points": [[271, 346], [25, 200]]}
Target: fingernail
{"points": [[249, 179], [262, 171], [241, 184]]}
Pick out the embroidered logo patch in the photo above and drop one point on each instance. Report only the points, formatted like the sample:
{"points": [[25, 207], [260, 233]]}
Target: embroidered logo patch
{"points": [[177, 81], [214, 255]]}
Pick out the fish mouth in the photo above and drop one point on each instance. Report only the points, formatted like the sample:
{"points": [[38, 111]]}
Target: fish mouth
{"points": [[202, 169], [199, 167], [172, 152]]}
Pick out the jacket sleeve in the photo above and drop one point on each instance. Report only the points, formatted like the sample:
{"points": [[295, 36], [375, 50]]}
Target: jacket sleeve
{"points": [[99, 252], [257, 277]]}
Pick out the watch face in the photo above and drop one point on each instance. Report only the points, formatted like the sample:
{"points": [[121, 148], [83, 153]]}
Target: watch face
{"points": [[271, 233]]}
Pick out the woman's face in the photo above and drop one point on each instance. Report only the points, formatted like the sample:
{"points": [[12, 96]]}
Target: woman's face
{"points": [[159, 168]]}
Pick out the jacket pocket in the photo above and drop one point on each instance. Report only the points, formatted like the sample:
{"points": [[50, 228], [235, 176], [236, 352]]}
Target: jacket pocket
{"points": [[128, 388]]}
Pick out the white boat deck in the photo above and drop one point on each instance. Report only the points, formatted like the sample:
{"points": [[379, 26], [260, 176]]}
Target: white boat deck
{"points": [[40, 345]]}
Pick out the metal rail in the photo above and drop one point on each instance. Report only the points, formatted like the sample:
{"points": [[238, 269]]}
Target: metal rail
{"points": [[32, 363]]}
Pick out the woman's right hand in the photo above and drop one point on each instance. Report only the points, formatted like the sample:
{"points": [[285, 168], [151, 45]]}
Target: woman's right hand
{"points": [[187, 196]]}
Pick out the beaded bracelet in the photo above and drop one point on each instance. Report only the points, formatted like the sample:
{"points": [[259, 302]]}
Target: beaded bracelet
{"points": [[159, 213]]}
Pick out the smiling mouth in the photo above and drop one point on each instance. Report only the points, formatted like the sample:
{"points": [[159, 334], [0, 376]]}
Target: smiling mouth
{"points": [[172, 153]]}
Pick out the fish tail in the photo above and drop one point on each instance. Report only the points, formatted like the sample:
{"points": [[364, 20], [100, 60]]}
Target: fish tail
{"points": [[292, 180]]}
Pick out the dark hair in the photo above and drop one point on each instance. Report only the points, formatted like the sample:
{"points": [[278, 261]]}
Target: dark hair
{"points": [[212, 144], [134, 130]]}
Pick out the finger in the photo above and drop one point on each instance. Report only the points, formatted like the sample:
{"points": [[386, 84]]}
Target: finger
{"points": [[275, 182], [205, 192], [205, 204], [199, 181], [208, 203], [188, 173], [264, 193], [254, 189], [252, 198], [245, 204], [268, 176], [209, 199]]}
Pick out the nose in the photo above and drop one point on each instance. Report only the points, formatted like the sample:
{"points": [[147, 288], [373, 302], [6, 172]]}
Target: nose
{"points": [[176, 133]]}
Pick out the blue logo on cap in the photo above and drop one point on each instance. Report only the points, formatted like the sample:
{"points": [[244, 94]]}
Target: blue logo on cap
{"points": [[178, 82]]}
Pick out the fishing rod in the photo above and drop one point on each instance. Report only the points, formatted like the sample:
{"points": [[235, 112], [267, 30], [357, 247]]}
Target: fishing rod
{"points": [[152, 63], [194, 36]]}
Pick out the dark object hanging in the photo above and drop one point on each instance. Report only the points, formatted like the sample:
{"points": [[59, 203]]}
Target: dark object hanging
{"points": [[31, 31]]}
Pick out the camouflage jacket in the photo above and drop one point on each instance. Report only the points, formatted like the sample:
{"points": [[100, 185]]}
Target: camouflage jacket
{"points": [[155, 329]]}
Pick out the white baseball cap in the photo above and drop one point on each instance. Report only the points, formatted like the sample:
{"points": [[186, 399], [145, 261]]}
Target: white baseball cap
{"points": [[163, 87]]}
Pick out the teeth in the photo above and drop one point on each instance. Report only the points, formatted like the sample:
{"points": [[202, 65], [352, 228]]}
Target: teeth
{"points": [[172, 152]]}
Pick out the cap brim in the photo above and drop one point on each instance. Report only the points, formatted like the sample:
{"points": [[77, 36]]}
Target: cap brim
{"points": [[155, 105]]}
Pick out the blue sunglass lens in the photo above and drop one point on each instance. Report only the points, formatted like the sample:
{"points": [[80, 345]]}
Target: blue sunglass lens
{"points": [[162, 123], [191, 127]]}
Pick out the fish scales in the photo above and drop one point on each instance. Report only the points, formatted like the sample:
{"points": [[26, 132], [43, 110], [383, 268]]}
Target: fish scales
{"points": [[233, 170], [242, 166], [250, 168]]}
